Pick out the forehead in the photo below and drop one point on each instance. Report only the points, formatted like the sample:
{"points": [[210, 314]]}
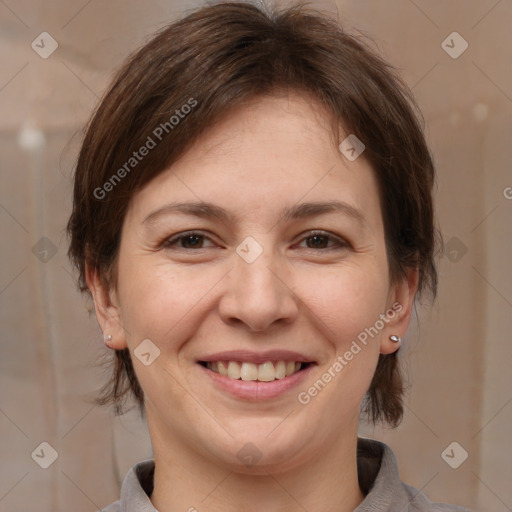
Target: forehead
{"points": [[273, 152], [299, 119]]}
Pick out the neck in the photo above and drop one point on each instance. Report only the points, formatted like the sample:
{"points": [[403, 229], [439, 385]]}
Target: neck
{"points": [[186, 481]]}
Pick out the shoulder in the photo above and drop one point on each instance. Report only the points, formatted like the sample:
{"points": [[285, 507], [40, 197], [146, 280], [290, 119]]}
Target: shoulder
{"points": [[380, 480], [136, 489], [419, 502]]}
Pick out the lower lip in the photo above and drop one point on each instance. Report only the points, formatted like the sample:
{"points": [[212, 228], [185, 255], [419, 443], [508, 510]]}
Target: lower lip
{"points": [[255, 390]]}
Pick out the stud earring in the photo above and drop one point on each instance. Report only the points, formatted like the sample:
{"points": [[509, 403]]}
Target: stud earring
{"points": [[106, 339], [395, 339]]}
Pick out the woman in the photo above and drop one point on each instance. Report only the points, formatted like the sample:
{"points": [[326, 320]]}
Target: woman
{"points": [[253, 218]]}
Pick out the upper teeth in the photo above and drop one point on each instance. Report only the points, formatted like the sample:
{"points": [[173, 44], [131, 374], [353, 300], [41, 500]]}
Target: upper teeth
{"points": [[265, 372]]}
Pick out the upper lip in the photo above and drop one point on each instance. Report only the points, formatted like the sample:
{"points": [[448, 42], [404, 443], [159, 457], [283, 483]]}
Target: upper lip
{"points": [[257, 357]]}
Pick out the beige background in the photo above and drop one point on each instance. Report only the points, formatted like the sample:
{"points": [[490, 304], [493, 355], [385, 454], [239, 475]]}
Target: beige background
{"points": [[459, 359]]}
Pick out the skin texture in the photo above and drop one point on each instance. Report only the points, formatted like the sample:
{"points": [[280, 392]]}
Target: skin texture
{"points": [[191, 302]]}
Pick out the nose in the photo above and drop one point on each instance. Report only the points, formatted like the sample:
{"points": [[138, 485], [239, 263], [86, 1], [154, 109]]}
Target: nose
{"points": [[258, 295]]}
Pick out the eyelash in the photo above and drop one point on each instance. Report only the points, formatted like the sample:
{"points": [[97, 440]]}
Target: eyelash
{"points": [[169, 242]]}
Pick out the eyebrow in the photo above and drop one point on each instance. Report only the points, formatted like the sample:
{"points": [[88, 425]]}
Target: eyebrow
{"points": [[207, 210]]}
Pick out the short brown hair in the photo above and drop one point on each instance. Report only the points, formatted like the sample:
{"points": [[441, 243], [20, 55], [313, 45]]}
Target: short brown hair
{"points": [[221, 56]]}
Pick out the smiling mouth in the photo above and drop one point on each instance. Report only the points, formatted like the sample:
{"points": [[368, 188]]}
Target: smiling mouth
{"points": [[264, 372]]}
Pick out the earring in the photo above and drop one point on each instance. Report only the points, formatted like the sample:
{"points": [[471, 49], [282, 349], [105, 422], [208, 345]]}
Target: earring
{"points": [[106, 339], [395, 339]]}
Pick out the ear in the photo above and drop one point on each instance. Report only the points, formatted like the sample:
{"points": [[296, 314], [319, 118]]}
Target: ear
{"points": [[108, 312], [399, 311]]}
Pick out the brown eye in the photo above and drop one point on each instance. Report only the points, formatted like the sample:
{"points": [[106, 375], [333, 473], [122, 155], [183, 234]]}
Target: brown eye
{"points": [[189, 240], [321, 240], [318, 241]]}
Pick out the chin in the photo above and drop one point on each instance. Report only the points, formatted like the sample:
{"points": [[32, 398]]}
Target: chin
{"points": [[260, 454]]}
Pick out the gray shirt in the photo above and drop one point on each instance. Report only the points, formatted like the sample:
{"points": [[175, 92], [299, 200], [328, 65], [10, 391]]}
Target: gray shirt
{"points": [[378, 479]]}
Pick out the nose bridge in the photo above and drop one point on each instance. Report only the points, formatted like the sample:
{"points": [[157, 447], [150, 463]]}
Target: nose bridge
{"points": [[257, 294], [260, 275]]}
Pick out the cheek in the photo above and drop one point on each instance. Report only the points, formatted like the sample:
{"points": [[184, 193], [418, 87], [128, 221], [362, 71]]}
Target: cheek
{"points": [[346, 300], [347, 303], [159, 299]]}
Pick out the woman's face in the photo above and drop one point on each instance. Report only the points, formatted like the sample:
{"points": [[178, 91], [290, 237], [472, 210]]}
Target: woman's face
{"points": [[262, 273]]}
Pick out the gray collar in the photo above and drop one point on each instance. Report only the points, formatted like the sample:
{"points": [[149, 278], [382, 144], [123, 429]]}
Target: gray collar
{"points": [[378, 478]]}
